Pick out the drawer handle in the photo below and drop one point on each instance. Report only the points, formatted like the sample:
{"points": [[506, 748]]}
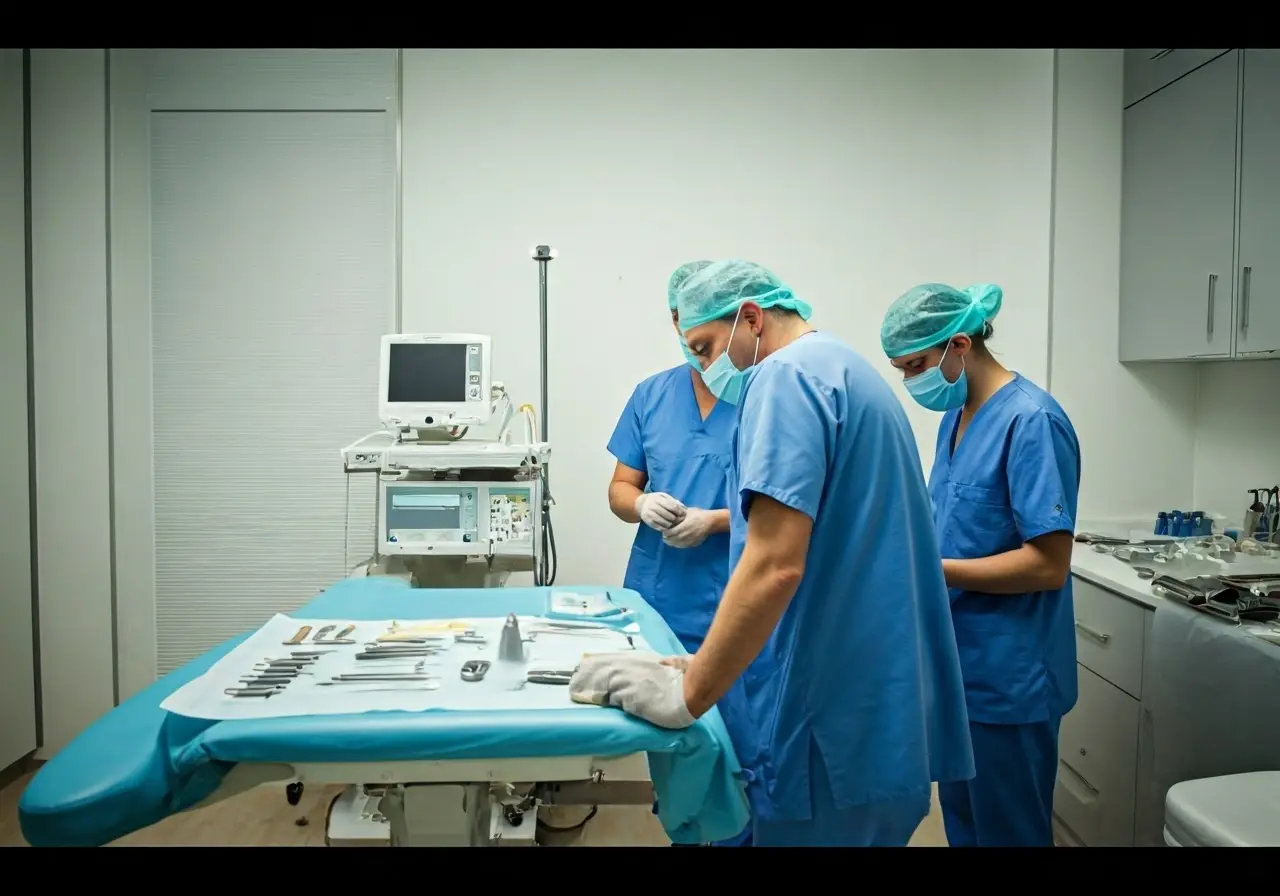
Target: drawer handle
{"points": [[1161, 55], [1213, 285], [1244, 299], [1100, 637], [1075, 781]]}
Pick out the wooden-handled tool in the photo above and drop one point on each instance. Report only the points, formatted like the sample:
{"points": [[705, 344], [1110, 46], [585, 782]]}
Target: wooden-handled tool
{"points": [[299, 636]]}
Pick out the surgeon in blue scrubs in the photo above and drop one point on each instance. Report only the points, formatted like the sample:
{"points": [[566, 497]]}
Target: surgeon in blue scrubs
{"points": [[1006, 474], [835, 615], [672, 446]]}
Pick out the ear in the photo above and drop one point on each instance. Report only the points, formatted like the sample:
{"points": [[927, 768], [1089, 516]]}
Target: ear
{"points": [[961, 345], [753, 316]]}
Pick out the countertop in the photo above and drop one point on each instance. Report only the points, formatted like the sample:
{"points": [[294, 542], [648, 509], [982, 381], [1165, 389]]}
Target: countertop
{"points": [[1114, 575], [1119, 577]]}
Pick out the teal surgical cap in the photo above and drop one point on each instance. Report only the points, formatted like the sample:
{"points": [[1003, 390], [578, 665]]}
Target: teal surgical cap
{"points": [[678, 278], [721, 288], [932, 313]]}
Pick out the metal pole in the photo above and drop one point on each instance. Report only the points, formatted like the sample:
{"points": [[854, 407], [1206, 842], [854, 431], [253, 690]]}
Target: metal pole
{"points": [[543, 255], [542, 333]]}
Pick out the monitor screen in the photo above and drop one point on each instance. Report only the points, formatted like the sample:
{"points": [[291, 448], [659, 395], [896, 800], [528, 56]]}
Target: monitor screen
{"points": [[427, 373]]}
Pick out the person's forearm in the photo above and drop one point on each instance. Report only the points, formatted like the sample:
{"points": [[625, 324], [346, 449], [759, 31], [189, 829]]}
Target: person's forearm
{"points": [[754, 600], [1018, 571], [622, 501], [719, 521]]}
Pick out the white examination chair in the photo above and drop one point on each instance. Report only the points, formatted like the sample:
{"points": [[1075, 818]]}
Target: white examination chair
{"points": [[1232, 810]]}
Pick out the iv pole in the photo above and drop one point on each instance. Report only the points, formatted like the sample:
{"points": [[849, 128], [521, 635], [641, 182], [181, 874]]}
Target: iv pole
{"points": [[546, 576], [543, 256]]}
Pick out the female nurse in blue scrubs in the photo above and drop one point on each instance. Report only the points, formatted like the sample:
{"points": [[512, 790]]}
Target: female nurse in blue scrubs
{"points": [[673, 445], [1005, 478]]}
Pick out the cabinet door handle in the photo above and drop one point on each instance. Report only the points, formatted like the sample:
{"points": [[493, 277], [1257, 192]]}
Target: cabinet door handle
{"points": [[1079, 779], [1213, 286], [1100, 637], [1161, 55], [1244, 299]]}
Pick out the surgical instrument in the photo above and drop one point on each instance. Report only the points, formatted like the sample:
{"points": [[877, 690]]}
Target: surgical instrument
{"points": [[511, 645], [474, 670], [380, 676], [299, 636], [320, 634], [339, 638], [280, 670], [251, 692], [415, 685], [548, 676]]}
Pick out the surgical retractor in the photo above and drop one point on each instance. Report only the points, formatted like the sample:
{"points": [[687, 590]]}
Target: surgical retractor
{"points": [[511, 645]]}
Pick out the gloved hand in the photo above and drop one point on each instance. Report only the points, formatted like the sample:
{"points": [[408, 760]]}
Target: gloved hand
{"points": [[658, 510], [690, 531], [639, 684]]}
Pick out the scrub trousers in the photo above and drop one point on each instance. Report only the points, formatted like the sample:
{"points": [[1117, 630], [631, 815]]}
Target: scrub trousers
{"points": [[1009, 802], [887, 823]]}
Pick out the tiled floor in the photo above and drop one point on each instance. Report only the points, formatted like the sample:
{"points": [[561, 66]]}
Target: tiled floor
{"points": [[262, 817]]}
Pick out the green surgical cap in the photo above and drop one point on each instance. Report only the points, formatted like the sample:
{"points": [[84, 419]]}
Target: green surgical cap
{"points": [[721, 288], [678, 278], [932, 313]]}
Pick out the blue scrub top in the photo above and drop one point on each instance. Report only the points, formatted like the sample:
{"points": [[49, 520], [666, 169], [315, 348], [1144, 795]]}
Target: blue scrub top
{"points": [[863, 662], [1015, 476], [662, 434]]}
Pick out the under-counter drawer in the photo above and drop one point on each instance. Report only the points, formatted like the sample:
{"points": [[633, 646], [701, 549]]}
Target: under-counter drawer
{"points": [[1146, 71], [1109, 635], [1094, 796]]}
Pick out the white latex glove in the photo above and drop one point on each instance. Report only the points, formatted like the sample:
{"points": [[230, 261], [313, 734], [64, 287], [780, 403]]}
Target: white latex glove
{"points": [[639, 684], [690, 531], [658, 510]]}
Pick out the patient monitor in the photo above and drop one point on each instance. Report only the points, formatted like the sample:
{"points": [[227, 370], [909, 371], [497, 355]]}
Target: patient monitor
{"points": [[431, 380], [461, 495]]}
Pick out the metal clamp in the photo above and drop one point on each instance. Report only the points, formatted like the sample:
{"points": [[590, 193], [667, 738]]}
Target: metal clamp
{"points": [[1100, 637]]}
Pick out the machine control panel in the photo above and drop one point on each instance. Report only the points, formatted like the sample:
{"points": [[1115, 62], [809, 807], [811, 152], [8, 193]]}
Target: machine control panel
{"points": [[435, 517]]}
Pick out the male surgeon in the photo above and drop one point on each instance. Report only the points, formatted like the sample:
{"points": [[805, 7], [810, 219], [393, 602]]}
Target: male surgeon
{"points": [[672, 445], [835, 614]]}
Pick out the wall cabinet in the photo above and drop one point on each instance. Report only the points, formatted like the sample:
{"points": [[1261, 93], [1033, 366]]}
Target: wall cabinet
{"points": [[1146, 71], [1095, 798], [1200, 183]]}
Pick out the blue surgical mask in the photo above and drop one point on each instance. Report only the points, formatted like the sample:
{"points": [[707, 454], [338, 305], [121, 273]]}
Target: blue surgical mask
{"points": [[723, 379], [689, 356], [932, 391]]}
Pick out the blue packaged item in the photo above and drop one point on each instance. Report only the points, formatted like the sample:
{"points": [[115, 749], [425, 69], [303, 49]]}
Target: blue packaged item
{"points": [[1162, 523]]}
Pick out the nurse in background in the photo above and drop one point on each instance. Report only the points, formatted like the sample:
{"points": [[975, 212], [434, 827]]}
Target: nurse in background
{"points": [[673, 446], [1004, 484]]}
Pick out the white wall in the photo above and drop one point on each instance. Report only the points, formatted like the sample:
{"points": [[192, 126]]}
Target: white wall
{"points": [[17, 669], [1134, 422], [1237, 435], [854, 175], [71, 370]]}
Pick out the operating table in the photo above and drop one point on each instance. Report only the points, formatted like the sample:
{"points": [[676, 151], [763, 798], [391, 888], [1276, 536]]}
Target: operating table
{"points": [[450, 778]]}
